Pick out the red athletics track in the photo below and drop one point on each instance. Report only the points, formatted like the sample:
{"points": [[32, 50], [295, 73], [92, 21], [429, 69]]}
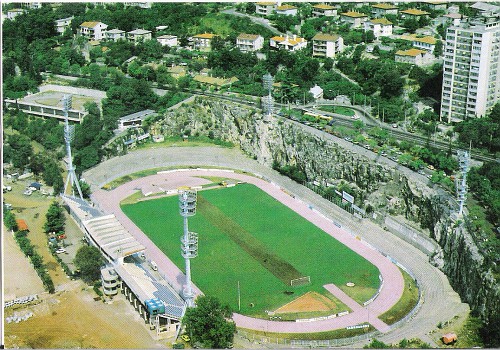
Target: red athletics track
{"points": [[393, 280]]}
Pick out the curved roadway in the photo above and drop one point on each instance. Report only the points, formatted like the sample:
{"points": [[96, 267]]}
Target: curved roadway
{"points": [[441, 303]]}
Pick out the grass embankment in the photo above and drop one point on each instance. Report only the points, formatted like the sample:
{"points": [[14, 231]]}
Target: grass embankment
{"points": [[223, 262], [335, 334], [406, 303], [339, 110]]}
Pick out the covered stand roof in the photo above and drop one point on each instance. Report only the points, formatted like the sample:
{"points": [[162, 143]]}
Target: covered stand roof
{"points": [[112, 237]]}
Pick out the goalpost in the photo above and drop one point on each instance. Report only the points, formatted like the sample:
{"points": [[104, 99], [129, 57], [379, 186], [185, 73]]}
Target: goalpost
{"points": [[302, 281]]}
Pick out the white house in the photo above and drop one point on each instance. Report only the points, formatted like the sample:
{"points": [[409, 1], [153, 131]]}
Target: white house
{"points": [[355, 19], [321, 10], [203, 42], [168, 40], [382, 10], [292, 44], [265, 8], [286, 10], [141, 4], [379, 26], [249, 42], [414, 56], [139, 35], [11, 14], [115, 35], [327, 45], [93, 30], [413, 14], [63, 23], [317, 92]]}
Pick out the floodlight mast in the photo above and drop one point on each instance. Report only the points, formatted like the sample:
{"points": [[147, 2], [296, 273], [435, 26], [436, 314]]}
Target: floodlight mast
{"points": [[268, 101], [69, 133], [189, 240], [461, 181]]}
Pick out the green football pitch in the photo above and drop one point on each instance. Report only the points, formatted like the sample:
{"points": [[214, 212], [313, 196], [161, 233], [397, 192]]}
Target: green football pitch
{"points": [[247, 236]]}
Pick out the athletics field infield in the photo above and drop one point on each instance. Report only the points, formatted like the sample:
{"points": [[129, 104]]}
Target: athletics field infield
{"points": [[247, 236]]}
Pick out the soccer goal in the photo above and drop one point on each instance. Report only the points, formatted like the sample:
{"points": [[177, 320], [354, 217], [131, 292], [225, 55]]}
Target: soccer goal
{"points": [[302, 281]]}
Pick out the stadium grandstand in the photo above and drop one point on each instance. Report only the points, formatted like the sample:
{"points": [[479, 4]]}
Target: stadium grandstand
{"points": [[146, 288]]}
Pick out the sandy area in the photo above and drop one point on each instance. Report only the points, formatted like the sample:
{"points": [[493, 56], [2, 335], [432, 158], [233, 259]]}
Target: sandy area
{"points": [[311, 301], [20, 278], [70, 318]]}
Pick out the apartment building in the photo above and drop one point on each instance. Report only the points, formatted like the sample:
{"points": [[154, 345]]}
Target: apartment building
{"points": [[327, 45], [471, 76], [249, 42]]}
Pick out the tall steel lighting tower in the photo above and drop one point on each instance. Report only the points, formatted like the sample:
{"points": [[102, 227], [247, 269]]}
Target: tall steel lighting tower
{"points": [[268, 101], [189, 241], [463, 163], [69, 134]]}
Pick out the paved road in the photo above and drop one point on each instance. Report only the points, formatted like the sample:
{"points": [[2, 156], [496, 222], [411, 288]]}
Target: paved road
{"points": [[441, 303], [262, 21]]}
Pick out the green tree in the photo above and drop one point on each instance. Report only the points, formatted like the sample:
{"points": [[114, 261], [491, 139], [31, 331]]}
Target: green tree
{"points": [[89, 260], [210, 323], [438, 48], [55, 219], [9, 220], [411, 25]]}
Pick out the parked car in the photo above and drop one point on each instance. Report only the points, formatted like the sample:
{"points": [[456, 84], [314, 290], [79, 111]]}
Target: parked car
{"points": [[60, 251]]}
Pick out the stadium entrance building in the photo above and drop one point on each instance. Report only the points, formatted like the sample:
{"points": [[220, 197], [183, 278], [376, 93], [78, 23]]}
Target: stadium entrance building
{"points": [[128, 269]]}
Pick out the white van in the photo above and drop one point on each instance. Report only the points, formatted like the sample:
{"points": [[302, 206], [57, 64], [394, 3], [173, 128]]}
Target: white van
{"points": [[153, 265]]}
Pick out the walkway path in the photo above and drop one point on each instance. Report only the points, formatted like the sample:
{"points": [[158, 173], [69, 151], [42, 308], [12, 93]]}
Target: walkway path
{"points": [[441, 303]]}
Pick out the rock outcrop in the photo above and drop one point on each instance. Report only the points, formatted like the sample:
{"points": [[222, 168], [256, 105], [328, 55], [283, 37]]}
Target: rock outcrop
{"points": [[277, 142]]}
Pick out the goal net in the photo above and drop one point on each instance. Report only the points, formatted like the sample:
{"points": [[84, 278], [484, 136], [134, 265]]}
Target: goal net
{"points": [[302, 281]]}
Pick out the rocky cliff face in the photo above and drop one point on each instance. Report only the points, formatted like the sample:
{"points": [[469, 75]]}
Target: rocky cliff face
{"points": [[273, 141]]}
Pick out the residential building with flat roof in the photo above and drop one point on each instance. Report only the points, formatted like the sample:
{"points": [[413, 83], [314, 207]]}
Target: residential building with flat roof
{"points": [[249, 42], [168, 40], [62, 24], [115, 34], [471, 76], [139, 35], [327, 45]]}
